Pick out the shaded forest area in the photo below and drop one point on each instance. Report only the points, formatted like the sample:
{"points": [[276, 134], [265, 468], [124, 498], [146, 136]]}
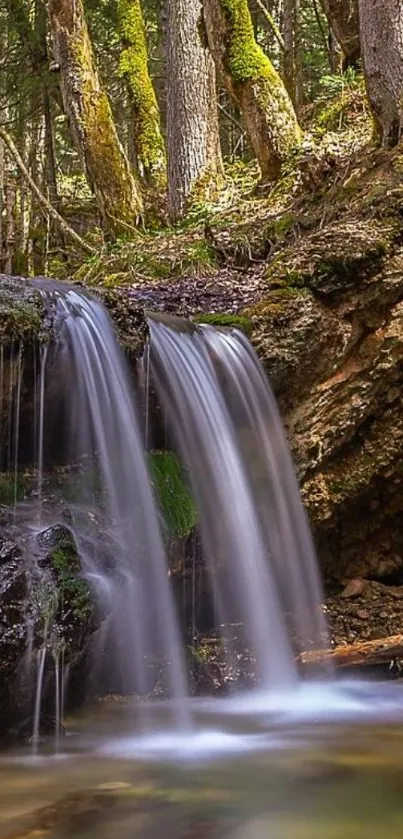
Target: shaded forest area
{"points": [[120, 119]]}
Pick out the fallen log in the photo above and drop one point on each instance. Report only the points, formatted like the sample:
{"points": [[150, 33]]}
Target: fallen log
{"points": [[359, 654]]}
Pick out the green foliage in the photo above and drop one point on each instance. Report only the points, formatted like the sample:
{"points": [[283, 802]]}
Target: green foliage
{"points": [[332, 85], [230, 321], [72, 589], [172, 493]]}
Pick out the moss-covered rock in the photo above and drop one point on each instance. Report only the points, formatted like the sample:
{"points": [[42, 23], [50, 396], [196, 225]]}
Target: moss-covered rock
{"points": [[228, 321], [23, 314], [172, 493]]}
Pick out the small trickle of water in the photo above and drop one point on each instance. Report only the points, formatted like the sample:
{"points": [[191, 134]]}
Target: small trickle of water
{"points": [[16, 424], [39, 691], [41, 424], [253, 528]]}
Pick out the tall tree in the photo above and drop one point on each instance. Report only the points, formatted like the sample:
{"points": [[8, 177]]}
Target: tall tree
{"points": [[88, 109], [252, 81], [148, 142], [342, 16], [292, 51], [381, 29], [194, 153]]}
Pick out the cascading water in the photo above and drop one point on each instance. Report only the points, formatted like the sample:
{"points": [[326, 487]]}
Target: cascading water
{"points": [[218, 406], [131, 576], [257, 543]]}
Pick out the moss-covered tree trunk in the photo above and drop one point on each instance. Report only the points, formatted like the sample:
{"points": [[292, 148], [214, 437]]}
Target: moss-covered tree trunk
{"points": [[381, 27], [88, 109], [253, 83], [194, 154], [148, 142], [342, 16]]}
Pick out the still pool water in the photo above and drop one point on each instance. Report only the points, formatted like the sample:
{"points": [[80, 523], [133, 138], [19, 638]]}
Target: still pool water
{"points": [[322, 763]]}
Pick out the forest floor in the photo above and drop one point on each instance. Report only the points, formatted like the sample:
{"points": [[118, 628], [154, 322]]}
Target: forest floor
{"points": [[226, 256]]}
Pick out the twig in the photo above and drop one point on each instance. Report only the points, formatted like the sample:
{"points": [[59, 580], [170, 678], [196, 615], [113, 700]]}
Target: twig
{"points": [[231, 118], [272, 23], [43, 202]]}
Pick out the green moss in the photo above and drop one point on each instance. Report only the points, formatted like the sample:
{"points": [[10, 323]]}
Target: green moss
{"points": [[21, 311], [246, 60], [235, 321], [11, 490], [247, 65], [172, 493], [107, 168], [73, 590], [276, 301], [278, 229], [133, 67]]}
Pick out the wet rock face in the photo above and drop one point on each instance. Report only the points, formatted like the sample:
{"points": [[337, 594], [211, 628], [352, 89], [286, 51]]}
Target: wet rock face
{"points": [[330, 334], [13, 595], [44, 603]]}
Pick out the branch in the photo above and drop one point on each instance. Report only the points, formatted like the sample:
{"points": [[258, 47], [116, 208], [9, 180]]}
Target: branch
{"points": [[43, 202], [359, 654], [272, 24], [231, 118]]}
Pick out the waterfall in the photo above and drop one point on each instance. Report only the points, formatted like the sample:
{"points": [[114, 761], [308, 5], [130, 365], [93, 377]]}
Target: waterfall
{"points": [[132, 580], [218, 409], [256, 539]]}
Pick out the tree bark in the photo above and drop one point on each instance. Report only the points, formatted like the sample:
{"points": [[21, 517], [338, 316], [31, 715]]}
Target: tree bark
{"points": [[359, 654], [292, 52], [253, 83], [93, 129], [343, 22], [381, 28], [194, 154], [148, 142]]}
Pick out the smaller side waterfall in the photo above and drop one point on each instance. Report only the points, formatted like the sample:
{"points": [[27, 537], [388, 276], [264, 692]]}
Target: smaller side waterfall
{"points": [[132, 578], [256, 538]]}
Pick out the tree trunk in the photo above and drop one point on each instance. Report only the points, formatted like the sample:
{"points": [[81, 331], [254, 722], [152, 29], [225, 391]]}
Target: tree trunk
{"points": [[253, 82], [148, 142], [381, 29], [194, 154], [292, 61], [93, 129], [343, 22], [289, 48]]}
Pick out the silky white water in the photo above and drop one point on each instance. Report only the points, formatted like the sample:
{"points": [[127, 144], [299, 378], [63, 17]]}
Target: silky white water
{"points": [[255, 535]]}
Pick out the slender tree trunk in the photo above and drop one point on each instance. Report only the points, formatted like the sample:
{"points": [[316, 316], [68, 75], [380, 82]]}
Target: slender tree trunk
{"points": [[253, 82], [194, 154], [381, 28], [9, 239], [289, 48], [343, 22], [299, 57], [335, 54], [93, 129], [148, 142]]}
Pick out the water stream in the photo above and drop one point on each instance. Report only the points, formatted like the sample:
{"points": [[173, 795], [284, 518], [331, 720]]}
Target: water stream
{"points": [[256, 539]]}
